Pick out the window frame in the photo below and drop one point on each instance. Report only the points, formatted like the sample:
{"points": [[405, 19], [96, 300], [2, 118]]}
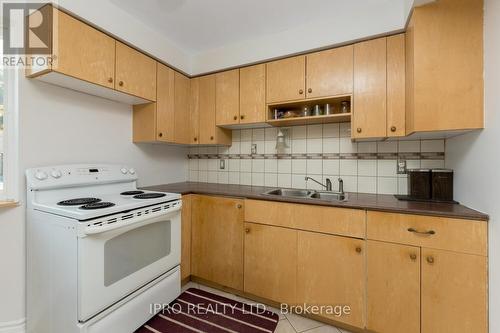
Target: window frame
{"points": [[10, 192]]}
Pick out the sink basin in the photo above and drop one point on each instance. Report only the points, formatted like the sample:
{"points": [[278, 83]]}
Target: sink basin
{"points": [[285, 192], [329, 196], [308, 194]]}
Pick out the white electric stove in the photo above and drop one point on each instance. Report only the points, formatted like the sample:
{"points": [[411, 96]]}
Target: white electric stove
{"points": [[99, 251]]}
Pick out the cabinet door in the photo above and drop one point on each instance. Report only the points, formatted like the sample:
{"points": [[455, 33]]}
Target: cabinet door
{"points": [[454, 292], [181, 105], [217, 240], [271, 262], [331, 272], [329, 72], [286, 79], [135, 72], [83, 52], [165, 104], [393, 288], [369, 108], [186, 237], [206, 109], [253, 94], [396, 107], [194, 111], [227, 97]]}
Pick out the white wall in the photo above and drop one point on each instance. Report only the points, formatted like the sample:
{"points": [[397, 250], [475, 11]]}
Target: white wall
{"points": [[62, 126], [476, 160]]}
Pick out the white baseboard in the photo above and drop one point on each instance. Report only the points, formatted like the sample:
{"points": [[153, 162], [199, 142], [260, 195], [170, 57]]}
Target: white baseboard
{"points": [[16, 326]]}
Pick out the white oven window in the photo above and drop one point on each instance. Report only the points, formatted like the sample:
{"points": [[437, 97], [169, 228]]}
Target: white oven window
{"points": [[135, 249]]}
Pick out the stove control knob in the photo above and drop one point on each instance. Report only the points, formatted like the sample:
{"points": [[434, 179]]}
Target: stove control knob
{"points": [[41, 175], [124, 171], [131, 171], [56, 174]]}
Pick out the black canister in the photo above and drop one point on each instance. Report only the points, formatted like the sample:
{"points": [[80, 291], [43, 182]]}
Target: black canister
{"points": [[442, 184], [419, 183]]}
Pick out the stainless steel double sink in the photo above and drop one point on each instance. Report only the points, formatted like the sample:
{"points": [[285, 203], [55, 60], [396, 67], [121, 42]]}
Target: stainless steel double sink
{"points": [[308, 194]]}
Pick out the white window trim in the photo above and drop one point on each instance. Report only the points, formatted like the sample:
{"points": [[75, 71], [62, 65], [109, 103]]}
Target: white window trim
{"points": [[10, 191]]}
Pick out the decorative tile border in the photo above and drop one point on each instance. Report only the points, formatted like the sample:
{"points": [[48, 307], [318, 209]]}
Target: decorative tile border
{"points": [[327, 156]]}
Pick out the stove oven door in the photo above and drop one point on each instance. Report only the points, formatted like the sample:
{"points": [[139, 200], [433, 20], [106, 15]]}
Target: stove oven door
{"points": [[114, 263]]}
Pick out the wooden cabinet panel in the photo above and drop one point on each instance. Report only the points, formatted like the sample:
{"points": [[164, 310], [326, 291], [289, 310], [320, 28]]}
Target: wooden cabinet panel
{"points": [[331, 272], [339, 221], [253, 94], [454, 292], [186, 237], [271, 213], [194, 111], [165, 106], [393, 288], [330, 72], [396, 86], [135, 72], [448, 234], [217, 240], [370, 105], [182, 115], [83, 52], [286, 79], [445, 61], [227, 97], [271, 262]]}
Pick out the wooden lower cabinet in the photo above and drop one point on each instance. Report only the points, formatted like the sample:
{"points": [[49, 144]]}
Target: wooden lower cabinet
{"points": [[454, 292], [393, 288], [186, 237], [217, 240], [271, 262], [331, 272]]}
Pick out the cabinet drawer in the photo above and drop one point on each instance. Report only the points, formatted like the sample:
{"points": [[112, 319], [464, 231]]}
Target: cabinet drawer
{"points": [[431, 232], [268, 212], [330, 220]]}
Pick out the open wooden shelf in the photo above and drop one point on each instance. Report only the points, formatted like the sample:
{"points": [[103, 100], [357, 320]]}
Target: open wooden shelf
{"points": [[335, 101], [331, 118]]}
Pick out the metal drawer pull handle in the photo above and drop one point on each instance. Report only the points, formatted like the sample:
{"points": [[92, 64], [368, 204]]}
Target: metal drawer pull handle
{"points": [[430, 232]]}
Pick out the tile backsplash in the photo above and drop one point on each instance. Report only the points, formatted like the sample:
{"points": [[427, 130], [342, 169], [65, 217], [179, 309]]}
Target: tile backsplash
{"points": [[318, 151]]}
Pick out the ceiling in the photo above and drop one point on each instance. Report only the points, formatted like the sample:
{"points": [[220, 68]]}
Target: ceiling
{"points": [[197, 26]]}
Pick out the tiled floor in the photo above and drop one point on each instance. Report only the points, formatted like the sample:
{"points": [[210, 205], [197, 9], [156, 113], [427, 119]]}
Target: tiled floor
{"points": [[289, 323]]}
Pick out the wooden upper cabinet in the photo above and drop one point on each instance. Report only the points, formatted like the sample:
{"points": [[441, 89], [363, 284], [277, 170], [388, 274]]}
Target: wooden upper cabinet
{"points": [[83, 52], [253, 94], [227, 97], [331, 271], [135, 72], [370, 87], [454, 292], [393, 288], [286, 79], [444, 59], [330, 72], [194, 111], [217, 240], [271, 262], [396, 107], [165, 106], [182, 109], [209, 133]]}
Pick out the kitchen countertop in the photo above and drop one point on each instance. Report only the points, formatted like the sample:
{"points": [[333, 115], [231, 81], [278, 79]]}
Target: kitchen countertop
{"points": [[376, 202]]}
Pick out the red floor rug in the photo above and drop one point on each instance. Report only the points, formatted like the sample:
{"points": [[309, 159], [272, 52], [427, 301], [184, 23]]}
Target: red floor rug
{"points": [[197, 310]]}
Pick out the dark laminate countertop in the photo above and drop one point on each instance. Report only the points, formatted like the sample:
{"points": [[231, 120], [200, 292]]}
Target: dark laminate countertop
{"points": [[377, 202]]}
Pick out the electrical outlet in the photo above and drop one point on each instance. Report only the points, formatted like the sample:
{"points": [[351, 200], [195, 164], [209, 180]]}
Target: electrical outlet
{"points": [[401, 167], [222, 164], [254, 148]]}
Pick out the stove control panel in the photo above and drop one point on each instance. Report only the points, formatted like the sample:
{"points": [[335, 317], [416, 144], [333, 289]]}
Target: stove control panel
{"points": [[78, 175]]}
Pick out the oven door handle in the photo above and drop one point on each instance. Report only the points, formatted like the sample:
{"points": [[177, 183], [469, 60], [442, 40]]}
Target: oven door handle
{"points": [[117, 225]]}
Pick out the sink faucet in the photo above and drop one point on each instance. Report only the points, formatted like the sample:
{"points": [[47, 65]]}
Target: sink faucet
{"points": [[328, 185], [341, 185]]}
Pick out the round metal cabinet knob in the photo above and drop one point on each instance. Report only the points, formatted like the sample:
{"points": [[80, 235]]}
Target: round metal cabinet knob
{"points": [[120, 83], [393, 128], [239, 206], [413, 256], [359, 130], [235, 117], [247, 230], [160, 134], [309, 90], [430, 259], [301, 91], [242, 117], [211, 138], [110, 80], [195, 139], [358, 249]]}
